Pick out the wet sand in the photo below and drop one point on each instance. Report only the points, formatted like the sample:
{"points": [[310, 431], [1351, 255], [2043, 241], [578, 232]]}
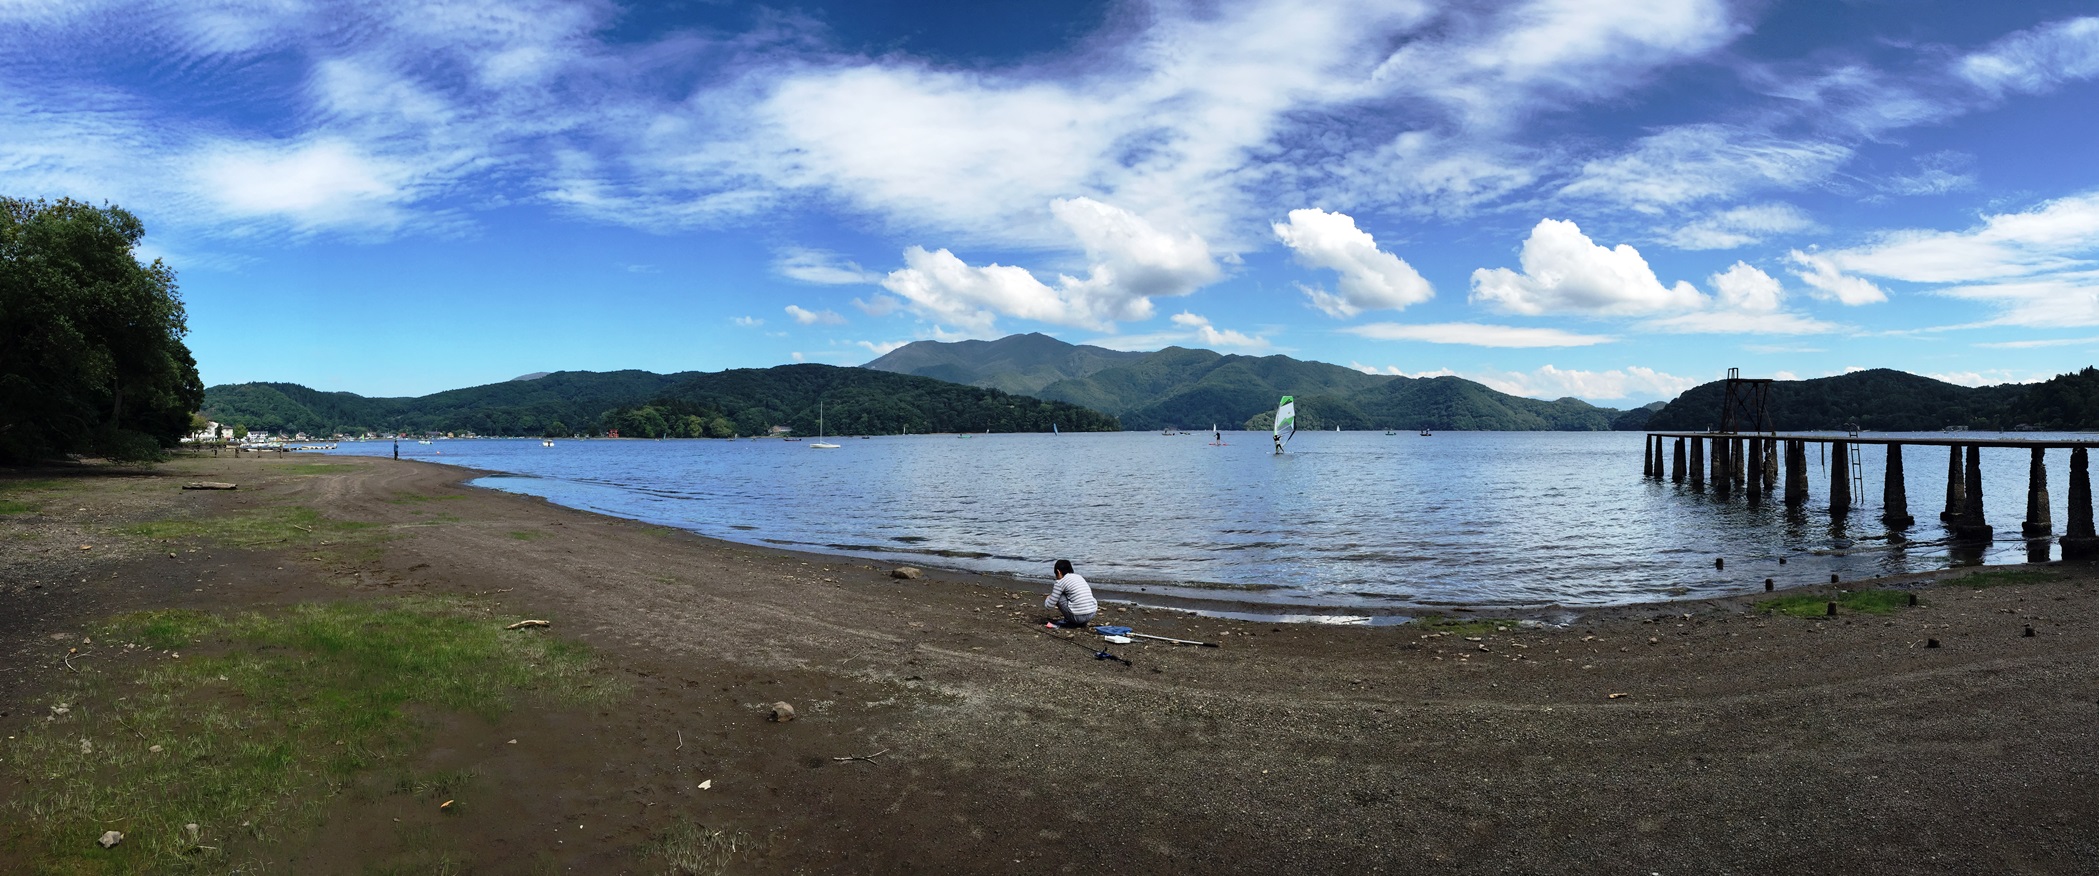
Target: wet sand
{"points": [[1742, 743]]}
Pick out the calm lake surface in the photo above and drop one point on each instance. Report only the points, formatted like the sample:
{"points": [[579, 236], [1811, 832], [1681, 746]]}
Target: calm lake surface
{"points": [[1360, 521]]}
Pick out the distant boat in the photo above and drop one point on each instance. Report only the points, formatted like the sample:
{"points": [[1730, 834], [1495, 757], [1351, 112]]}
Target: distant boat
{"points": [[1425, 433], [819, 443], [1390, 432], [546, 442]]}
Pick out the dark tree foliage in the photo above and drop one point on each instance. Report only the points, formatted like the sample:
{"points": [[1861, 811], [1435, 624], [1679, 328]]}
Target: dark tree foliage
{"points": [[1879, 400], [2063, 402], [640, 404], [92, 358]]}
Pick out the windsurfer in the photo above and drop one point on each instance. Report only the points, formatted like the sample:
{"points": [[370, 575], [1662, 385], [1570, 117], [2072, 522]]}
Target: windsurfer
{"points": [[1072, 596]]}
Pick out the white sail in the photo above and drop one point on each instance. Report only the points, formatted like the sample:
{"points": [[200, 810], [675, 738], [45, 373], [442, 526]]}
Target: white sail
{"points": [[1285, 422]]}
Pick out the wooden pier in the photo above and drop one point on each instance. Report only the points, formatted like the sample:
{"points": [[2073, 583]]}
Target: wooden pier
{"points": [[1750, 462]]}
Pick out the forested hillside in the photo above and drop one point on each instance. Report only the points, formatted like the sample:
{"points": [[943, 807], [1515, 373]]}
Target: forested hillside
{"points": [[1879, 400], [643, 404]]}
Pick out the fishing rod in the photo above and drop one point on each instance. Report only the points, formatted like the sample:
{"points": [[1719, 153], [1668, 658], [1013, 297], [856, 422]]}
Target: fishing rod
{"points": [[1098, 653]]}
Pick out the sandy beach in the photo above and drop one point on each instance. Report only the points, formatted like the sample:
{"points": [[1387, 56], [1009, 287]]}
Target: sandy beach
{"points": [[939, 728]]}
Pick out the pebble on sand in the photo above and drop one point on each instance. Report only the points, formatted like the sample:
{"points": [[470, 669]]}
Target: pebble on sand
{"points": [[905, 573], [781, 713]]}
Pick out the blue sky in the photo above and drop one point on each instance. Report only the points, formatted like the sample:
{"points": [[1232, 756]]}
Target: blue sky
{"points": [[1611, 200]]}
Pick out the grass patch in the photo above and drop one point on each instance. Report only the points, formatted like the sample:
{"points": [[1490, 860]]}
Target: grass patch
{"points": [[1855, 601], [10, 506], [526, 535], [260, 722], [257, 528], [1463, 626], [2002, 577], [688, 849]]}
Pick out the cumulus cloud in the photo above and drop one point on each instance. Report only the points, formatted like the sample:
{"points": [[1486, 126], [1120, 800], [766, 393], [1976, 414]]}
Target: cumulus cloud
{"points": [[1132, 263], [813, 317], [1476, 334], [1745, 301], [1741, 226], [1370, 278], [1829, 281], [1566, 272]]}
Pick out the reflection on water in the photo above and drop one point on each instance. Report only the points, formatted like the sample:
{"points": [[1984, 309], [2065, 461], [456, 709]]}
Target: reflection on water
{"points": [[1349, 519]]}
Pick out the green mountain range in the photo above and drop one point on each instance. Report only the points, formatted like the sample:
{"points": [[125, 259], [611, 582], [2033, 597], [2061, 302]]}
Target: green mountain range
{"points": [[1179, 387], [1882, 400], [746, 401]]}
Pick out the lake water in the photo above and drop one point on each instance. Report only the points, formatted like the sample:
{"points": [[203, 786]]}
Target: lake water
{"points": [[1362, 521]]}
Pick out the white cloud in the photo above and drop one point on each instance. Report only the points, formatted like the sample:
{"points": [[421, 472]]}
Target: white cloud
{"points": [[2034, 344], [1476, 334], [325, 182], [877, 305], [1988, 377], [2034, 61], [881, 348], [1702, 162], [1132, 262], [814, 317], [1212, 336], [821, 267], [1566, 272], [1549, 382], [1370, 278], [1740, 226], [747, 321], [2054, 236], [1821, 273]]}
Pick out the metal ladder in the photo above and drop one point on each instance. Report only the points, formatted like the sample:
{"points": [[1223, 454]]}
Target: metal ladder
{"points": [[1858, 469]]}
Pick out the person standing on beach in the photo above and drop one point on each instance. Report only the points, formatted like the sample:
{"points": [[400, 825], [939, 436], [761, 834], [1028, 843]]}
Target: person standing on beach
{"points": [[1072, 596], [397, 448]]}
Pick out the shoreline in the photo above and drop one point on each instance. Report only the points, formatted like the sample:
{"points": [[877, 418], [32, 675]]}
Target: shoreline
{"points": [[1690, 736]]}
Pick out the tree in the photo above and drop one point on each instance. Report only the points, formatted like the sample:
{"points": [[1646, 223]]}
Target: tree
{"points": [[555, 430], [94, 360]]}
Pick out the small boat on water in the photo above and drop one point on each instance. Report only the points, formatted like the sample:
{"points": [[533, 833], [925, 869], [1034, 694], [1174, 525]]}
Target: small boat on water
{"points": [[1425, 433], [820, 443]]}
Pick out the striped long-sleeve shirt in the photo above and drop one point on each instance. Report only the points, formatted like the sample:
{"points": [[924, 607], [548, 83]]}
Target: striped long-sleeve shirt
{"points": [[1073, 596]]}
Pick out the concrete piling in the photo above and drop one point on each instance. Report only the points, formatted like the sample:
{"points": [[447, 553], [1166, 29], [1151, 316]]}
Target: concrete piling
{"points": [[1840, 477], [1756, 467], [1697, 464], [1971, 525], [2037, 522], [1676, 463], [2079, 542], [1894, 497], [1735, 460], [1647, 457], [1956, 485]]}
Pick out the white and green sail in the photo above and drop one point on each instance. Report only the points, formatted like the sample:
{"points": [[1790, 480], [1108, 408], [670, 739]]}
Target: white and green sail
{"points": [[1285, 421]]}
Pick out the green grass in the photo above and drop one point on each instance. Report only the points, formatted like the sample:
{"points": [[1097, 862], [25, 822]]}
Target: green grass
{"points": [[262, 720], [258, 528], [688, 849], [1855, 601], [10, 506], [2002, 577]]}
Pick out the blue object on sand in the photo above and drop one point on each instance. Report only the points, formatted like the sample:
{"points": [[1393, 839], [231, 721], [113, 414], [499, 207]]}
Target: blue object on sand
{"points": [[1113, 631]]}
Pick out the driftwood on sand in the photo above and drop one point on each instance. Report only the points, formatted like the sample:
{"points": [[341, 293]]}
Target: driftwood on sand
{"points": [[210, 485]]}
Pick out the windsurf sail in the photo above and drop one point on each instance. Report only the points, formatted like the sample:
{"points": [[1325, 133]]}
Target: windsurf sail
{"points": [[1214, 434], [1285, 421], [1053, 429]]}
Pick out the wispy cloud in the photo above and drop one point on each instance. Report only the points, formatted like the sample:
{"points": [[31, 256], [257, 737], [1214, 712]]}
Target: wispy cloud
{"points": [[1550, 382], [806, 316], [822, 267], [1476, 334], [1741, 226]]}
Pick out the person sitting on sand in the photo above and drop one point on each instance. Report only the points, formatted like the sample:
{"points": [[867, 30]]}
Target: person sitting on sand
{"points": [[1072, 596]]}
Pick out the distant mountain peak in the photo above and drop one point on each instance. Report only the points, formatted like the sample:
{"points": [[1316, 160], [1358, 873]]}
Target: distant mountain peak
{"points": [[533, 376]]}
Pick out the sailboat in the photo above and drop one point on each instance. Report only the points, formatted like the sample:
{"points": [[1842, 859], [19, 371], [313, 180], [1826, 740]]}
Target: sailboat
{"points": [[820, 444], [1216, 437], [1053, 429], [1285, 423]]}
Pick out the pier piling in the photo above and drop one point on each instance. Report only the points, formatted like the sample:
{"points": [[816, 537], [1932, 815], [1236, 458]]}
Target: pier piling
{"points": [[1735, 459], [1756, 467], [1796, 472], [1894, 497], [2037, 518], [2079, 542], [1676, 463], [1971, 525], [1770, 464], [1697, 465], [1840, 478], [1722, 481], [1956, 489]]}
